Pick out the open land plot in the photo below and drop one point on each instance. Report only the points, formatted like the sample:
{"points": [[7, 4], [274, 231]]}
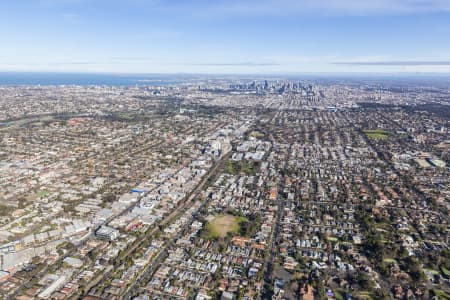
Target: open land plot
{"points": [[221, 225], [377, 134]]}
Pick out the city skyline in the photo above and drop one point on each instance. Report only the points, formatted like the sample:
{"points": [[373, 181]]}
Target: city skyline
{"points": [[226, 37]]}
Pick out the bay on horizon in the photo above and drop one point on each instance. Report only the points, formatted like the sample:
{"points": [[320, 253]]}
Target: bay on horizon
{"points": [[84, 79]]}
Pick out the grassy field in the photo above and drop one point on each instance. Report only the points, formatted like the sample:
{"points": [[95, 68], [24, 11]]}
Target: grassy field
{"points": [[390, 260], [445, 271], [434, 272], [377, 134], [441, 294], [42, 194], [237, 167], [221, 225], [364, 295], [256, 134]]}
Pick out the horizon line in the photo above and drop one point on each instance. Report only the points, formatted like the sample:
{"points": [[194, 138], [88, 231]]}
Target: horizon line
{"points": [[234, 74]]}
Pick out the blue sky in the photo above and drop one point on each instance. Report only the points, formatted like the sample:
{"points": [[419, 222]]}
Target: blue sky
{"points": [[225, 36]]}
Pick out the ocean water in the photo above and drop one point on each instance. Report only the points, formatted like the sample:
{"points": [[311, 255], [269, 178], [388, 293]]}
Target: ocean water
{"points": [[19, 78], [86, 79]]}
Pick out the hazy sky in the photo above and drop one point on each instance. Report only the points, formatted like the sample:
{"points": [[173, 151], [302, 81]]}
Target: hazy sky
{"points": [[225, 36]]}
